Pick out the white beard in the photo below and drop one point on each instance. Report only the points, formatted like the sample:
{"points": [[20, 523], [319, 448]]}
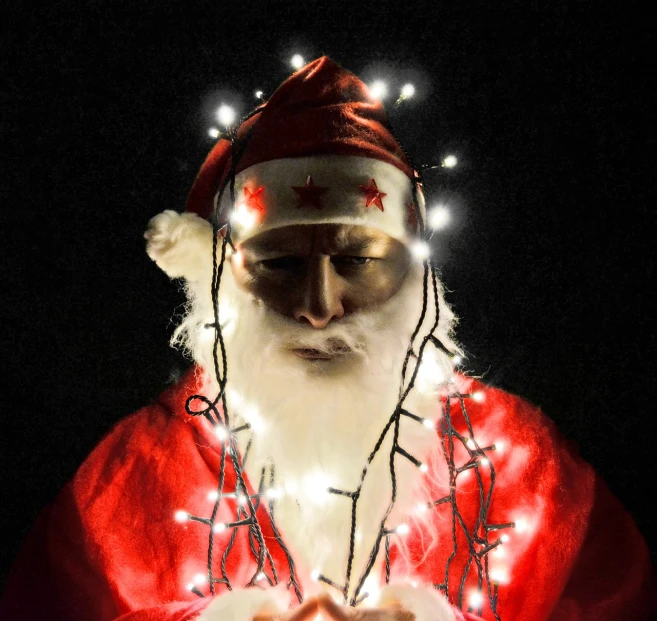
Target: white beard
{"points": [[318, 421]]}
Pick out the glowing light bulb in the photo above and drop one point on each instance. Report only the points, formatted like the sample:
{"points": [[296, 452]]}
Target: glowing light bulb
{"points": [[241, 499], [402, 529], [438, 218], [213, 132], [478, 396], [378, 89], [227, 316], [521, 525], [259, 94], [499, 575], [238, 258], [428, 423], [450, 161], [233, 396], [274, 493], [457, 359], [471, 445], [242, 216], [256, 421], [190, 586], [423, 468], [430, 374], [476, 599], [314, 575], [220, 432], [420, 250], [226, 115], [499, 551], [372, 587], [181, 516], [408, 90], [200, 579], [260, 576], [213, 495], [414, 584], [421, 507], [484, 461], [499, 447], [504, 538], [219, 527], [297, 61], [315, 486]]}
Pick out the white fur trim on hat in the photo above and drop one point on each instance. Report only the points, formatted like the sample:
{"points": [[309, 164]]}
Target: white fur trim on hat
{"points": [[342, 202], [180, 244]]}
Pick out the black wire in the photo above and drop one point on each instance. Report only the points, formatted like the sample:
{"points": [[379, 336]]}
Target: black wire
{"points": [[247, 515]]}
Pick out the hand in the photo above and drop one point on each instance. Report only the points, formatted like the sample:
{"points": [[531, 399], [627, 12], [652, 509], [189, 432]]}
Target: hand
{"points": [[331, 611], [306, 612]]}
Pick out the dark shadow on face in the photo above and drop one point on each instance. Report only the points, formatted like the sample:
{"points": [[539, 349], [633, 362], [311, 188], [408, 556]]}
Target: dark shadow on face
{"points": [[318, 273]]}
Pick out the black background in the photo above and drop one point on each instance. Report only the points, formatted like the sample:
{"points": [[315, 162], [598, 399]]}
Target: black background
{"points": [[549, 259]]}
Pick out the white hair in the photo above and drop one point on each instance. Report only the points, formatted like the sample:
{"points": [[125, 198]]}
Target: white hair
{"points": [[317, 422]]}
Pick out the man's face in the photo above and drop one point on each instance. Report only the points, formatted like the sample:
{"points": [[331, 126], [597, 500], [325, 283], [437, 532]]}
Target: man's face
{"points": [[316, 274]]}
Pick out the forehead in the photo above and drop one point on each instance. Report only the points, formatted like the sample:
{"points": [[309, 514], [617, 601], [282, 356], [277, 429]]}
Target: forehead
{"points": [[303, 238]]}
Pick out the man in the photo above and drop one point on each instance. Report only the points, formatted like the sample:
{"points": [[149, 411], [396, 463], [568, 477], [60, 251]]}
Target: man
{"points": [[322, 458]]}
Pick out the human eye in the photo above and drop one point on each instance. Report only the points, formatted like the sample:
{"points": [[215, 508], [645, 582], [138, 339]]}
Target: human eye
{"points": [[282, 264], [351, 261]]}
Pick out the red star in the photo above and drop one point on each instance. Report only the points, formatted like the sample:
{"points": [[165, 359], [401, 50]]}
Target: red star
{"points": [[309, 194], [253, 200], [372, 195], [412, 217]]}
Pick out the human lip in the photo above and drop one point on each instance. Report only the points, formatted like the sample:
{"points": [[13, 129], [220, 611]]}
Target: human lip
{"points": [[337, 350], [311, 354]]}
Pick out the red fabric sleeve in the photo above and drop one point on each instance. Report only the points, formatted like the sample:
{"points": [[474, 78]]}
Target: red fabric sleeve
{"points": [[51, 579], [109, 549], [579, 555], [61, 572], [612, 578], [174, 611]]}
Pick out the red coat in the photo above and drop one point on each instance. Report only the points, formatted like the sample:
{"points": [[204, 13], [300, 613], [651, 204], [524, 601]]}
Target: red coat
{"points": [[109, 548]]}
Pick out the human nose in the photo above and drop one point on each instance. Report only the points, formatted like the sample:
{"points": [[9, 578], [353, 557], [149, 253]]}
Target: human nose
{"points": [[320, 301]]}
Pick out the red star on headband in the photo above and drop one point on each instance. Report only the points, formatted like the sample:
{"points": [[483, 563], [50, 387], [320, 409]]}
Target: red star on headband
{"points": [[253, 200], [372, 195], [309, 194], [412, 217]]}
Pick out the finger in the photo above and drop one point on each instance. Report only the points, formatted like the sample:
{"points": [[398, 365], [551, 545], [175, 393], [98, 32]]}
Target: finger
{"points": [[331, 610], [306, 612]]}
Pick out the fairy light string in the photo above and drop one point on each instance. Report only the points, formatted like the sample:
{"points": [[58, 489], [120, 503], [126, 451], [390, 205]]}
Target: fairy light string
{"points": [[216, 412]]}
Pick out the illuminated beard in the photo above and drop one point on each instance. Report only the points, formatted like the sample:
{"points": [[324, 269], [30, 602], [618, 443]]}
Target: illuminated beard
{"points": [[317, 421]]}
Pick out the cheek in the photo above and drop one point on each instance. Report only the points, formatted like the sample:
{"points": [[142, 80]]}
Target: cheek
{"points": [[275, 293], [375, 287]]}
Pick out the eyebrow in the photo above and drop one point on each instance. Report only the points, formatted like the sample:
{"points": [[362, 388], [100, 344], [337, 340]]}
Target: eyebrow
{"points": [[341, 242], [346, 240], [359, 244]]}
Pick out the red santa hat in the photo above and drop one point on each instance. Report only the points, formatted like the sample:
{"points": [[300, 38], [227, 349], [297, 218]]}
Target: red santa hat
{"points": [[318, 151]]}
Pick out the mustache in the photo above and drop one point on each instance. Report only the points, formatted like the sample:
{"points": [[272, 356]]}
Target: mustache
{"points": [[347, 336]]}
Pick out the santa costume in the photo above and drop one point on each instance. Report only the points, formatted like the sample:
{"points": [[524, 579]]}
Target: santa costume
{"points": [[259, 481]]}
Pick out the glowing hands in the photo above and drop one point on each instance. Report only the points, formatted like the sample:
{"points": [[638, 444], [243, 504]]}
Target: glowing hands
{"points": [[330, 611]]}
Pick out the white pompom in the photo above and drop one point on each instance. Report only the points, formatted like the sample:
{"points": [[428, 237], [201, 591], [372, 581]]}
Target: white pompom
{"points": [[180, 244]]}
